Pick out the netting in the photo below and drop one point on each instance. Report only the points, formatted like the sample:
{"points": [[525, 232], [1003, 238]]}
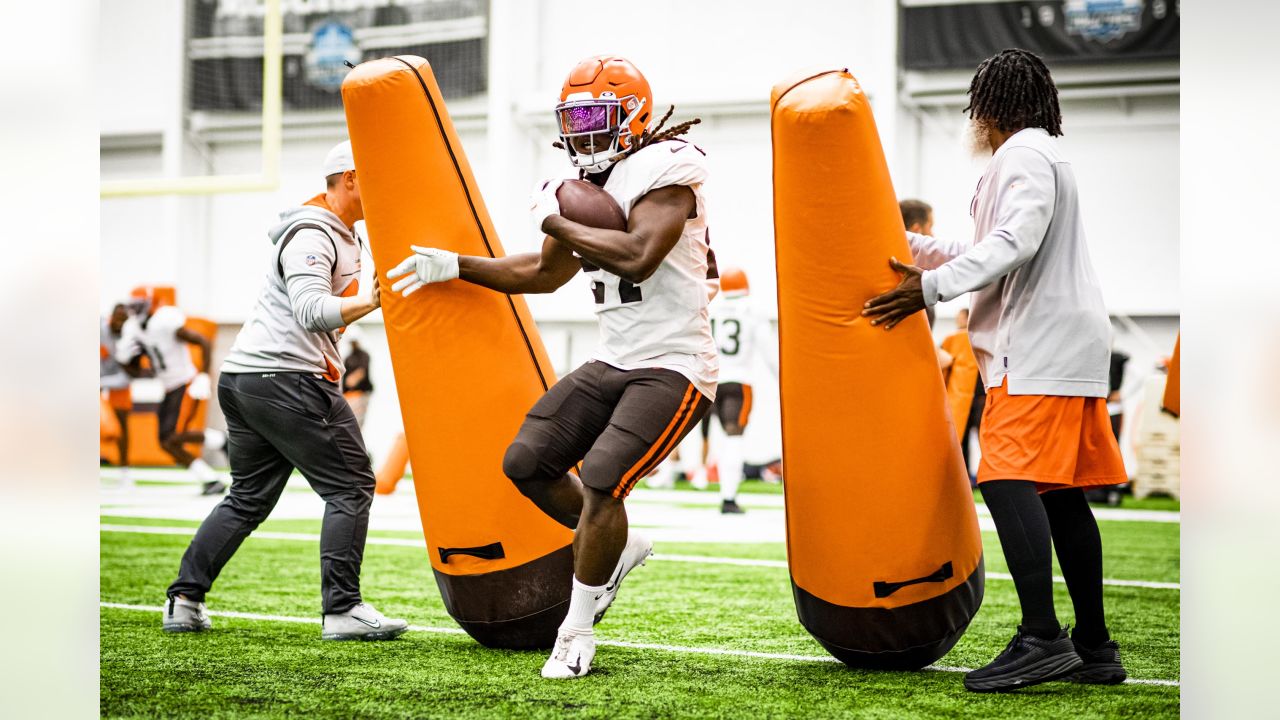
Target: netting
{"points": [[225, 48]]}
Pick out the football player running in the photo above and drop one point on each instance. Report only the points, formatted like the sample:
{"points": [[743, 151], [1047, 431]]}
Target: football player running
{"points": [[654, 375], [741, 335], [158, 331]]}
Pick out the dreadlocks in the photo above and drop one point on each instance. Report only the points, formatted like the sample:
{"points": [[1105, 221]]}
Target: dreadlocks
{"points": [[649, 137], [1013, 90]]}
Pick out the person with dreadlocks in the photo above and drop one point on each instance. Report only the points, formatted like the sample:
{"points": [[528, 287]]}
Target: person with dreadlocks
{"points": [[1040, 332], [654, 375]]}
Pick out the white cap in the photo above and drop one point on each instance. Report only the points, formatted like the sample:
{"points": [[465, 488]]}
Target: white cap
{"points": [[339, 159]]}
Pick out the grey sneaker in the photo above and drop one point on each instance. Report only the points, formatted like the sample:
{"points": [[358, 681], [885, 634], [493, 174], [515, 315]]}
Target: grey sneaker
{"points": [[361, 622], [181, 615], [634, 553]]}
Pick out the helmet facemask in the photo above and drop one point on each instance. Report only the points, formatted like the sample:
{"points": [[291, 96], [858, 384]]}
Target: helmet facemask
{"points": [[601, 122]]}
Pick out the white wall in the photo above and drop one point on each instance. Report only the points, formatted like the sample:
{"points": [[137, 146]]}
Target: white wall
{"points": [[714, 59], [140, 81]]}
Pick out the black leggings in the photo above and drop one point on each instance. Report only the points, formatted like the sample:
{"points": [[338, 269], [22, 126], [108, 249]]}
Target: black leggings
{"points": [[1029, 523]]}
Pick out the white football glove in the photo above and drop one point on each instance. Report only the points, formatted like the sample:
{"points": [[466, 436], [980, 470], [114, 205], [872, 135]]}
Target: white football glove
{"points": [[199, 387], [543, 203], [424, 266]]}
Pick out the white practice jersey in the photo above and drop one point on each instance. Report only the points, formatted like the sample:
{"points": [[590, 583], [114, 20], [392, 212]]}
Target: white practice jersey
{"points": [[661, 322], [741, 334], [170, 356]]}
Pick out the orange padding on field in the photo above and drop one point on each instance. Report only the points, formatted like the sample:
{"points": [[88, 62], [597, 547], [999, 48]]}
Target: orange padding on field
{"points": [[393, 468], [468, 361], [144, 426], [961, 379], [875, 484], [1173, 384]]}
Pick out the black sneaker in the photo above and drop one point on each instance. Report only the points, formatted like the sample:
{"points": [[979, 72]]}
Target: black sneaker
{"points": [[214, 487], [730, 507], [1027, 660], [1101, 665]]}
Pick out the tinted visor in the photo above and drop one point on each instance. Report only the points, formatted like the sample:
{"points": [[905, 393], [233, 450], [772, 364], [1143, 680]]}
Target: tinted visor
{"points": [[581, 119]]}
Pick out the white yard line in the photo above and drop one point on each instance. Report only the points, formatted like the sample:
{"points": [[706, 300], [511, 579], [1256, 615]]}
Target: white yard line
{"points": [[262, 534], [699, 559], [650, 498], [608, 643]]}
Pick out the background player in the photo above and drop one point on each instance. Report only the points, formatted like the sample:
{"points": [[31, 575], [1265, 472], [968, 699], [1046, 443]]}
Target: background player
{"points": [[741, 335], [157, 331], [655, 373], [114, 381], [357, 386]]}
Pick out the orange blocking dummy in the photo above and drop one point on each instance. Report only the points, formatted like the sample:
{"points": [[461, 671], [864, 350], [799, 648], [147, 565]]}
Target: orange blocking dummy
{"points": [[468, 363], [1172, 401], [882, 536]]}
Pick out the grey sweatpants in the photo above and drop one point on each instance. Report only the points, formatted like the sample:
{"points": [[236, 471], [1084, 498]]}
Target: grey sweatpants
{"points": [[277, 422]]}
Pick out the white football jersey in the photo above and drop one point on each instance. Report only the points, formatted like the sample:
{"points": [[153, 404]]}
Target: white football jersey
{"points": [[740, 335], [170, 356], [661, 322]]}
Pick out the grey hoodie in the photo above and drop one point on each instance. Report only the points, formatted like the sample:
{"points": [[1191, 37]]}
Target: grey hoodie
{"points": [[294, 326]]}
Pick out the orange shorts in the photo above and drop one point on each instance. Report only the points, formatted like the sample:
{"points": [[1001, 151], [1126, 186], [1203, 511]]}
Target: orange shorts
{"points": [[120, 399], [1056, 442]]}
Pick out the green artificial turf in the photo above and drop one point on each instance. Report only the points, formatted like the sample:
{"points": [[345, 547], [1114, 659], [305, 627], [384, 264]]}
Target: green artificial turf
{"points": [[270, 668]]}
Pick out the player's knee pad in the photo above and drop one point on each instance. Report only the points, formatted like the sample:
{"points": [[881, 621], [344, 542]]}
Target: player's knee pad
{"points": [[520, 464], [602, 468]]}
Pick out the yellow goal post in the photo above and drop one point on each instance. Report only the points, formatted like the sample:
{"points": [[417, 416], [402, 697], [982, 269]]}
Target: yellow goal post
{"points": [[268, 178]]}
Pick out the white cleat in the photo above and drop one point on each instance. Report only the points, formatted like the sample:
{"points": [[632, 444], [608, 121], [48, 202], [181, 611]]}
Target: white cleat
{"points": [[361, 622], [214, 439], [663, 479], [182, 615], [571, 657], [637, 550]]}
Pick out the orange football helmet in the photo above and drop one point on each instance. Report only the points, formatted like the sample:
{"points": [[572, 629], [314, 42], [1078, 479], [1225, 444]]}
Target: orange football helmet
{"points": [[147, 299], [733, 282], [603, 95]]}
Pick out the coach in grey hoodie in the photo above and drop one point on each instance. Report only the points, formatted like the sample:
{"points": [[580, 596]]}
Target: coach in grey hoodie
{"points": [[279, 392]]}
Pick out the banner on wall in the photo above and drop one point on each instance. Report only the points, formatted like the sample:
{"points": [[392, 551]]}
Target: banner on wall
{"points": [[224, 47], [945, 35]]}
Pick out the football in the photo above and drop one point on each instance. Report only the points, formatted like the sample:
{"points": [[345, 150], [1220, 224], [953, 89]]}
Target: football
{"points": [[588, 204]]}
